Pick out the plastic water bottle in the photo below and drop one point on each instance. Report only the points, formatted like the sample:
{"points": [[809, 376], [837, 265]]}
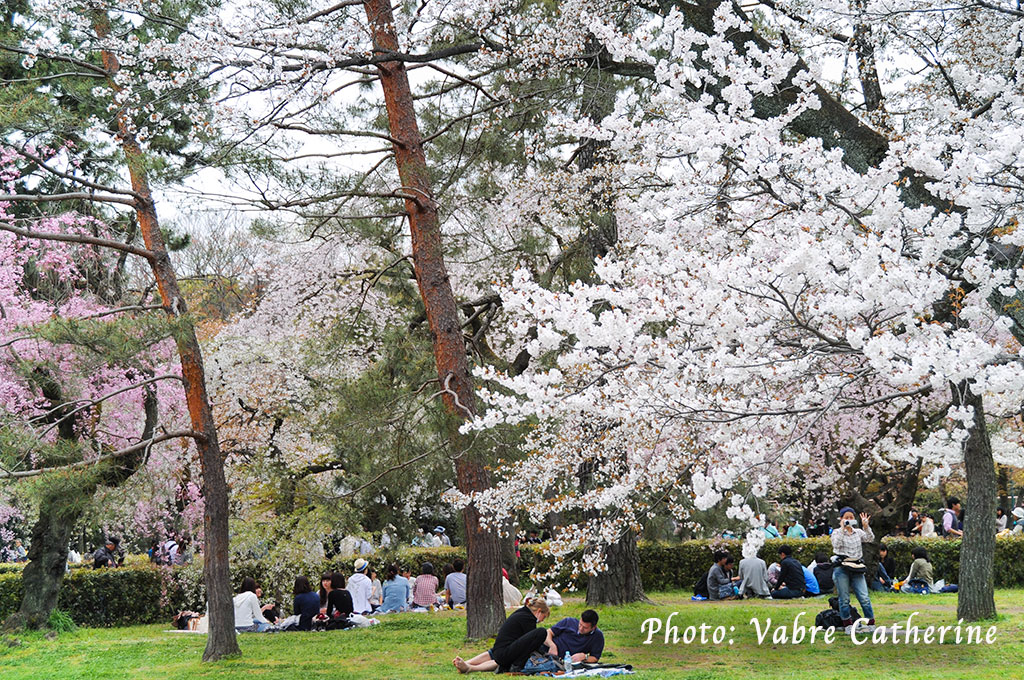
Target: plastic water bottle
{"points": [[567, 661]]}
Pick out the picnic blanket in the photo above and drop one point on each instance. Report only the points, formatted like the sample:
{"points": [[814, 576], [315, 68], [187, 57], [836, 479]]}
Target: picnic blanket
{"points": [[588, 670]]}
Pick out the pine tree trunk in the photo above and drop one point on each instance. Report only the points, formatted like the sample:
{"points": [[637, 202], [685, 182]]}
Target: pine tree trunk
{"points": [[976, 597], [48, 558], [59, 513], [620, 583], [221, 640], [483, 589]]}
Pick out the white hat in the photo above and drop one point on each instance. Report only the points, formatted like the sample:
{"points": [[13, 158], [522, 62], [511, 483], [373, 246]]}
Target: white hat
{"points": [[361, 564], [1018, 512]]}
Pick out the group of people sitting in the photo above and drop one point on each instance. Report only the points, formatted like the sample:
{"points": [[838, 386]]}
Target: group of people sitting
{"points": [[343, 603], [844, 571], [520, 638], [788, 579]]}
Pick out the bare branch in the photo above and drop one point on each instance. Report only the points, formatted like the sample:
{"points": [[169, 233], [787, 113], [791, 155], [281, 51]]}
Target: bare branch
{"points": [[80, 238], [92, 402], [463, 79], [75, 196], [1002, 10], [329, 10], [77, 180]]}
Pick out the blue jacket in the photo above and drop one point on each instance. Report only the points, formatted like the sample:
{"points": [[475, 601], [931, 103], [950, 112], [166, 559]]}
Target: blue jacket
{"points": [[396, 595]]}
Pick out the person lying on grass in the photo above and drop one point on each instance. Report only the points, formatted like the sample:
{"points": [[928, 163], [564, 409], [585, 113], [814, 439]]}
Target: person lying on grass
{"points": [[518, 638]]}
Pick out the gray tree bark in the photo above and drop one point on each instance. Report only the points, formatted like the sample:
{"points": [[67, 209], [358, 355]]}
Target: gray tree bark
{"points": [[976, 597]]}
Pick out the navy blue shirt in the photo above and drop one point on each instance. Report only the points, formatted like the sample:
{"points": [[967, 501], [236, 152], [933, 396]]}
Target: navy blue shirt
{"points": [[566, 636], [792, 575], [307, 606]]}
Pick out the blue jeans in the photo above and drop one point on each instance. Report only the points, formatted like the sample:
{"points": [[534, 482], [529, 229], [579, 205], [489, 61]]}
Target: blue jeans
{"points": [[785, 593], [860, 589], [886, 583]]}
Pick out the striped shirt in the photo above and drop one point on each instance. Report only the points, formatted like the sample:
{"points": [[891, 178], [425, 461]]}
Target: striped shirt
{"points": [[850, 544]]}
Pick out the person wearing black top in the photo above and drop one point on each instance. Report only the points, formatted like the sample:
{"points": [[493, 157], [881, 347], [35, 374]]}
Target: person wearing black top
{"points": [[884, 572], [791, 576], [109, 554], [306, 604], [339, 603], [823, 573], [518, 638]]}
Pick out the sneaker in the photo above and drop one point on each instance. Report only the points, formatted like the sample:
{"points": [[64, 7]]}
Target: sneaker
{"points": [[866, 628], [848, 629]]}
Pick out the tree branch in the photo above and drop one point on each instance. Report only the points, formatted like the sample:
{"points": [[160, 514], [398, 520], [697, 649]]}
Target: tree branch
{"points": [[79, 238], [21, 474]]}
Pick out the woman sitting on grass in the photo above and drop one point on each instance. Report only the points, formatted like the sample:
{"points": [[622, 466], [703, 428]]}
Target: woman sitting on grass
{"points": [[339, 602], [424, 590], [921, 576], [306, 604], [325, 590], [396, 592], [248, 614], [518, 638]]}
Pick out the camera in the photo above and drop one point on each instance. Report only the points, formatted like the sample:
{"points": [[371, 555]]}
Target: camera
{"points": [[849, 522]]}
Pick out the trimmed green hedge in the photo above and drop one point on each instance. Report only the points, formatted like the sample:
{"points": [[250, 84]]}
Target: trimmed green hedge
{"points": [[147, 594], [108, 597], [669, 566]]}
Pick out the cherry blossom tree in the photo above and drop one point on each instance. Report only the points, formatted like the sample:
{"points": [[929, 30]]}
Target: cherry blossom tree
{"points": [[122, 55], [782, 262], [85, 385]]}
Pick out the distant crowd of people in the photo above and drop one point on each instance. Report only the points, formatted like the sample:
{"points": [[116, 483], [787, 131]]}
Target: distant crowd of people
{"points": [[947, 523], [344, 602], [787, 579], [843, 572], [350, 602]]}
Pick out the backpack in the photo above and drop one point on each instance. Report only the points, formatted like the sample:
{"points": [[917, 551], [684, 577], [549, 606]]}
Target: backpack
{"points": [[833, 603], [702, 586], [829, 618], [542, 663]]}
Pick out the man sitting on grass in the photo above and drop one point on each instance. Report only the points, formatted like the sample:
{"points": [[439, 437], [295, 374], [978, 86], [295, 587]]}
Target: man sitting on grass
{"points": [[791, 577], [580, 637], [720, 577]]}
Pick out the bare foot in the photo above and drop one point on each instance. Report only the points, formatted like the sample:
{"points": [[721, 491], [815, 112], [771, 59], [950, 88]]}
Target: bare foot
{"points": [[461, 664]]}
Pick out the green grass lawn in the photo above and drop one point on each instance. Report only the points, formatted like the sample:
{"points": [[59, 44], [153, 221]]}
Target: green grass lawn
{"points": [[422, 646]]}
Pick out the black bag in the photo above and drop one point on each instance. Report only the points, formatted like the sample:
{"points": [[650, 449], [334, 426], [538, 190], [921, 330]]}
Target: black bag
{"points": [[702, 586], [829, 618], [833, 602], [339, 622]]}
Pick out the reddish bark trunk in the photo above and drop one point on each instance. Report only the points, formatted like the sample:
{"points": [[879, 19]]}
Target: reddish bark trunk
{"points": [[221, 641], [482, 547]]}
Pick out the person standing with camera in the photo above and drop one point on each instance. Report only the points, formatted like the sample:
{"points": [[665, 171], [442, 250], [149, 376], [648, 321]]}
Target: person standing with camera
{"points": [[850, 571]]}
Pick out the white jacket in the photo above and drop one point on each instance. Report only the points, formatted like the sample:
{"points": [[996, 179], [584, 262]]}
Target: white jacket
{"points": [[247, 610], [361, 588]]}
